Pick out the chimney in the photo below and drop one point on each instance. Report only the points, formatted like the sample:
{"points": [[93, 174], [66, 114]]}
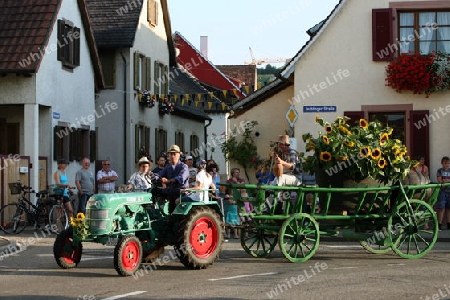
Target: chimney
{"points": [[204, 46]]}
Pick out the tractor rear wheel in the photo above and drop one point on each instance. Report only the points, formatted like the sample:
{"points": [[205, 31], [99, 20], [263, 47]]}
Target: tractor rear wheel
{"points": [[67, 255], [127, 255], [200, 238]]}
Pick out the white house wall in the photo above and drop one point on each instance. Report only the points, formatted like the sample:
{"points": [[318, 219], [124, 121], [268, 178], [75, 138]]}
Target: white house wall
{"points": [[345, 47]]}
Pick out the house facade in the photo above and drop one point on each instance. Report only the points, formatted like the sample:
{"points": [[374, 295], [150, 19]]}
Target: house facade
{"points": [[136, 49], [341, 71], [50, 75]]}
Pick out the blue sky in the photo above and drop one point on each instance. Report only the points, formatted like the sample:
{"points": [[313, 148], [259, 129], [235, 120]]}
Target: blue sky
{"points": [[273, 29]]}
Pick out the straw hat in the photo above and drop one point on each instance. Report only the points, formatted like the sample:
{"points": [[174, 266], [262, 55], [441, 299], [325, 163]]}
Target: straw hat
{"points": [[174, 148], [284, 139], [144, 160]]}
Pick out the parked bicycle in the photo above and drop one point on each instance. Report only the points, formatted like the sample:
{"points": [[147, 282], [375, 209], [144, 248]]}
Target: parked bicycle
{"points": [[58, 217], [15, 216]]}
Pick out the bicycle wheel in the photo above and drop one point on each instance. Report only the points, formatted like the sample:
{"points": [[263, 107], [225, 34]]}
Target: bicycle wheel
{"points": [[13, 218], [58, 219]]}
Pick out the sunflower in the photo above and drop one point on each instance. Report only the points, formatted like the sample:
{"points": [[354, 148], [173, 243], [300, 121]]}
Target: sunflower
{"points": [[325, 156], [382, 163], [363, 123], [344, 130], [349, 144], [317, 118], [376, 153], [326, 140], [364, 151], [328, 129], [341, 158], [383, 139], [80, 216]]}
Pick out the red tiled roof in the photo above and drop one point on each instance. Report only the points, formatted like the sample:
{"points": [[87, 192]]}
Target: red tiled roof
{"points": [[25, 27]]}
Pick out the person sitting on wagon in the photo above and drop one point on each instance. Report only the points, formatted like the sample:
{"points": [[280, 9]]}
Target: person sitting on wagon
{"points": [[175, 176], [141, 181], [287, 165], [203, 185]]}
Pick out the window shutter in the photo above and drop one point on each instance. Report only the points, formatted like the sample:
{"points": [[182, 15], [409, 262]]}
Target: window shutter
{"points": [[136, 70], [166, 80], [354, 116], [382, 34], [137, 145], [60, 50], [156, 77], [148, 71], [57, 143], [92, 145], [76, 47], [420, 134], [147, 138]]}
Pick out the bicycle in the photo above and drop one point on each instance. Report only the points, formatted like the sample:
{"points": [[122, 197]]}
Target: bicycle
{"points": [[15, 216], [58, 218]]}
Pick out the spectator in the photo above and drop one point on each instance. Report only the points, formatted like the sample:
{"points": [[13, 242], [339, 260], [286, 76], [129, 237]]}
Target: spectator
{"points": [[106, 178], [421, 167], [192, 171], [141, 181], [213, 170], [287, 162], [62, 184], [204, 182], [160, 164], [443, 203], [263, 175], [175, 175], [84, 181]]}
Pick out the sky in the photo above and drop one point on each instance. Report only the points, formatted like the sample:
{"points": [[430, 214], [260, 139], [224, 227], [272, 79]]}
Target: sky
{"points": [[272, 29]]}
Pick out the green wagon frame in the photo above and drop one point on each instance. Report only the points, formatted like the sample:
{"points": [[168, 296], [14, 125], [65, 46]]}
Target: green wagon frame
{"points": [[399, 218]]}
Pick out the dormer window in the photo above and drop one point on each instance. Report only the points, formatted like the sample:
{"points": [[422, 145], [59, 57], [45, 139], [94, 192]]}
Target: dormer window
{"points": [[68, 44]]}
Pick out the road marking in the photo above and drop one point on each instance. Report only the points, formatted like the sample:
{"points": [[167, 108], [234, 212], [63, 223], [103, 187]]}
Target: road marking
{"points": [[342, 246], [241, 276], [94, 258], [125, 295], [341, 268]]}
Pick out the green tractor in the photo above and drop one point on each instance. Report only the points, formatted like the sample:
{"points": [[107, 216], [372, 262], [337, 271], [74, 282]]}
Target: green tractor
{"points": [[142, 227]]}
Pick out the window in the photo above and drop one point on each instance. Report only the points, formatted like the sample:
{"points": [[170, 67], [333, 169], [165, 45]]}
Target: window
{"points": [[161, 85], [141, 140], [108, 60], [195, 144], [9, 138], [152, 12], [142, 72], [179, 139], [395, 120], [74, 143], [424, 32], [68, 44], [160, 142]]}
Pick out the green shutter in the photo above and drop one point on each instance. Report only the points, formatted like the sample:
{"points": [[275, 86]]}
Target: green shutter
{"points": [[136, 70]]}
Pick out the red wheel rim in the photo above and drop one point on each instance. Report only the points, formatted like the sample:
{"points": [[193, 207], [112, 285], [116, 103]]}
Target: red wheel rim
{"points": [[130, 255], [203, 237], [69, 254]]}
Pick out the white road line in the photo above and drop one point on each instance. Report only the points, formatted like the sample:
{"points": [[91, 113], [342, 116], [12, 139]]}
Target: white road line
{"points": [[95, 258], [125, 295], [241, 276], [342, 268]]}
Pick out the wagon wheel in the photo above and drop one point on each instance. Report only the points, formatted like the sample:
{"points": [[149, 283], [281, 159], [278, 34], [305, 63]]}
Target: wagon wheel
{"points": [[127, 255], [67, 255], [299, 237], [258, 242], [413, 239]]}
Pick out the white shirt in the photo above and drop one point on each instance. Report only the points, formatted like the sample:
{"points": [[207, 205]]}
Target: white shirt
{"points": [[206, 182]]}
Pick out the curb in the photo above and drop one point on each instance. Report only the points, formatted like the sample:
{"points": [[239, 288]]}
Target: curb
{"points": [[5, 245]]}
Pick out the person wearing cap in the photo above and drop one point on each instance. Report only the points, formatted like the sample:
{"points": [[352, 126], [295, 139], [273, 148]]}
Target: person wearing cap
{"points": [[192, 170], [287, 165], [141, 181], [106, 178], [175, 176], [62, 183], [204, 182]]}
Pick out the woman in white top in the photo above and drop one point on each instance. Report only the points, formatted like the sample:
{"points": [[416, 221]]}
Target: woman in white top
{"points": [[203, 185]]}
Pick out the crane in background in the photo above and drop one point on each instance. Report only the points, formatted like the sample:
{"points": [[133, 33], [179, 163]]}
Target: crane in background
{"points": [[263, 60]]}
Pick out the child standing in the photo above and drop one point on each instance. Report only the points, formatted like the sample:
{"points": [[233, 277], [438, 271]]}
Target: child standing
{"points": [[443, 203]]}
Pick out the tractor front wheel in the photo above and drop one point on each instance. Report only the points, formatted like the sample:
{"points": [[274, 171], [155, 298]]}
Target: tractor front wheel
{"points": [[127, 255], [66, 253], [200, 238]]}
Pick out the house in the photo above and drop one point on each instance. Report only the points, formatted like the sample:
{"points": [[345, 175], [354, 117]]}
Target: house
{"points": [[341, 71], [140, 114], [50, 74]]}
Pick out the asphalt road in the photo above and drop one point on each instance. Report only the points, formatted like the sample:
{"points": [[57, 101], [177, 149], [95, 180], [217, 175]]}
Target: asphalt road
{"points": [[339, 270]]}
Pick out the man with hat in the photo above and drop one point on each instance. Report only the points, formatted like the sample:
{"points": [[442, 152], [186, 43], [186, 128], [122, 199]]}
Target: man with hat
{"points": [[287, 165], [175, 176], [141, 181]]}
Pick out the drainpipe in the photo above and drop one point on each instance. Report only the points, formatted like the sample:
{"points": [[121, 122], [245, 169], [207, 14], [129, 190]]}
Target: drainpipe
{"points": [[206, 138], [124, 115]]}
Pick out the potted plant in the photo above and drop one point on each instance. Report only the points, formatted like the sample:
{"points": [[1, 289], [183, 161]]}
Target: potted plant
{"points": [[356, 152]]}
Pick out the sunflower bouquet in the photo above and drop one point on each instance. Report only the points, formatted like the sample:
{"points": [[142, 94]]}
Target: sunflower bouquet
{"points": [[356, 152], [80, 228]]}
